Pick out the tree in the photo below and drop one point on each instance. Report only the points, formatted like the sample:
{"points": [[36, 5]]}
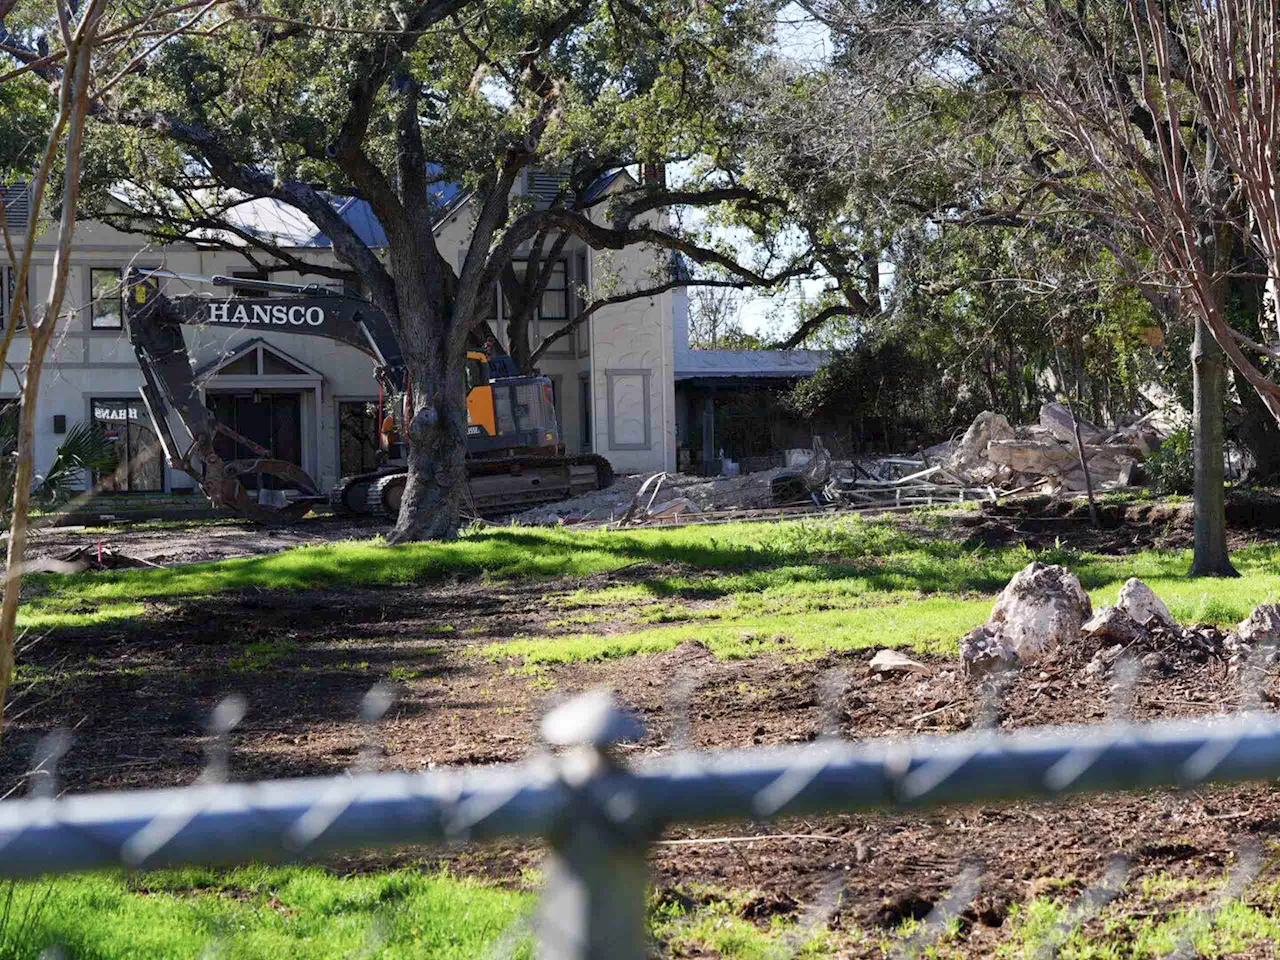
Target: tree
{"points": [[1149, 128], [715, 320], [66, 59], [391, 102]]}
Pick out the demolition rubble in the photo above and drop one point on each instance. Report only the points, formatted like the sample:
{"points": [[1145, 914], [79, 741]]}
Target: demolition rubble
{"points": [[1044, 619], [992, 459]]}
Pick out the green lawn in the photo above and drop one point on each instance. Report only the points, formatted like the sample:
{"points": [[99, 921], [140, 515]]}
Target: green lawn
{"points": [[805, 586], [258, 912], [307, 912]]}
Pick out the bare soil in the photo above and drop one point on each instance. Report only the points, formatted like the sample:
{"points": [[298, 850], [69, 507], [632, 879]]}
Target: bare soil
{"points": [[137, 697], [168, 543]]}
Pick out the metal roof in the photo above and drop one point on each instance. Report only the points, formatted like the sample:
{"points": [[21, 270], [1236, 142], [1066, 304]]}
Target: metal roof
{"points": [[782, 364]]}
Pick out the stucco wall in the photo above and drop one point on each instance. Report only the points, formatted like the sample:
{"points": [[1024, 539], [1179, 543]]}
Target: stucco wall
{"points": [[625, 353]]}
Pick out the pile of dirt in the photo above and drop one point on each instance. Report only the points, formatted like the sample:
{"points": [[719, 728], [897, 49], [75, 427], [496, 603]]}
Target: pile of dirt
{"points": [[708, 494]]}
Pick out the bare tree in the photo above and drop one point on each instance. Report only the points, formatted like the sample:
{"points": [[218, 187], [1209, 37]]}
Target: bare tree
{"points": [[96, 51]]}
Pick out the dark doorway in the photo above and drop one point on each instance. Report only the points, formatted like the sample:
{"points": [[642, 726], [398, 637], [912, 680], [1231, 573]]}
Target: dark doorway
{"points": [[271, 420], [357, 437]]}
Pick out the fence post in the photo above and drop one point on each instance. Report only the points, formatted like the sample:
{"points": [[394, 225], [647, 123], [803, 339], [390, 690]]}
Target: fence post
{"points": [[593, 906]]}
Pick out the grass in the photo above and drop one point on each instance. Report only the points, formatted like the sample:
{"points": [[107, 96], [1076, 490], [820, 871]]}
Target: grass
{"points": [[259, 912], [307, 912], [1238, 927], [802, 587]]}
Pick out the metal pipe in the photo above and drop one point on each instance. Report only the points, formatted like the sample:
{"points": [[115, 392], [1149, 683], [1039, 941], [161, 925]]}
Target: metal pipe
{"points": [[291, 819]]}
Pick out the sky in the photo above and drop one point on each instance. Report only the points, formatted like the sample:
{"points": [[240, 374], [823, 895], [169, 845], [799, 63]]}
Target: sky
{"points": [[801, 38]]}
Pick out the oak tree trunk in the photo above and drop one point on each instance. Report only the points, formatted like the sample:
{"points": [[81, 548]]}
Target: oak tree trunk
{"points": [[1209, 383], [431, 506]]}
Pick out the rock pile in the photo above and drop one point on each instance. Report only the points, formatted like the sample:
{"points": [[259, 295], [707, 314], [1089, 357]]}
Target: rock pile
{"points": [[1044, 615]]}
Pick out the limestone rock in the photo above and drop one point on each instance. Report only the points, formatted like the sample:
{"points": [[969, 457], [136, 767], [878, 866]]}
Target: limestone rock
{"points": [[1141, 603], [891, 661], [1261, 626], [1113, 625], [1042, 608], [983, 654]]}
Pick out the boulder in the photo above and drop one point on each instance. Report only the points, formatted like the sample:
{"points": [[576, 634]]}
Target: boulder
{"points": [[1056, 418], [1042, 608], [891, 661], [1113, 625], [1141, 603], [1261, 627]]}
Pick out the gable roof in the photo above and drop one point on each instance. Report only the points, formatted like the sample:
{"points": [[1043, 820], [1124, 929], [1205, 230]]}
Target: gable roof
{"points": [[210, 369]]}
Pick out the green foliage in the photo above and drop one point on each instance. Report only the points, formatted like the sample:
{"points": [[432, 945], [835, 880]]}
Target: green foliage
{"points": [[84, 448], [1171, 468]]}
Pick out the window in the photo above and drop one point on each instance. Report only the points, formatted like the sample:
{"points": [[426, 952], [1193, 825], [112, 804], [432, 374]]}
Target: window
{"points": [[555, 299], [8, 292], [357, 437], [106, 292], [628, 414], [139, 456], [580, 277], [584, 413]]}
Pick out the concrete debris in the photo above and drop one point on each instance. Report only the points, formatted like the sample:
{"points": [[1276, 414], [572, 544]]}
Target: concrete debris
{"points": [[983, 654], [971, 460], [1042, 608], [1257, 636], [992, 459], [706, 494], [891, 661]]}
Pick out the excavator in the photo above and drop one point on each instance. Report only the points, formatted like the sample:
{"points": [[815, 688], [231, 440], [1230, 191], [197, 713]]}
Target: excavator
{"points": [[514, 452]]}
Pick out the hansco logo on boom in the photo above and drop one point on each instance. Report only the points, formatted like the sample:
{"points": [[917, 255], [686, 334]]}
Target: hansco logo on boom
{"points": [[228, 311]]}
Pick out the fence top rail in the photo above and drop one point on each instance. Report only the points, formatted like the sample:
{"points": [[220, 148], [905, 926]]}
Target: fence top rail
{"points": [[290, 819]]}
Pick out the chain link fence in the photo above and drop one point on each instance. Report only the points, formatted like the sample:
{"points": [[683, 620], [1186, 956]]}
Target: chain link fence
{"points": [[600, 817]]}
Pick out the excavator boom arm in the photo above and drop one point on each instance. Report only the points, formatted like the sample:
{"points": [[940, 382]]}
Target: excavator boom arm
{"points": [[155, 324]]}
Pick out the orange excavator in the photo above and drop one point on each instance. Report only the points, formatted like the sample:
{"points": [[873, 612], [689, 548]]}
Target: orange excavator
{"points": [[515, 457]]}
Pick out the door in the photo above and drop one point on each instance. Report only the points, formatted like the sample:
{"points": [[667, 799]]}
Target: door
{"points": [[271, 420]]}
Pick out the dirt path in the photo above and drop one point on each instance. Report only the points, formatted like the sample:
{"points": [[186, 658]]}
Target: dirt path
{"points": [[137, 697]]}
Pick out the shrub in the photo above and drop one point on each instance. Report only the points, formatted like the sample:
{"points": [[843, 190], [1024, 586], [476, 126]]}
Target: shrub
{"points": [[1171, 469]]}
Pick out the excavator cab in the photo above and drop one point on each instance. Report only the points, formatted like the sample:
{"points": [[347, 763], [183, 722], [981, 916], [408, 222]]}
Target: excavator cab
{"points": [[507, 413]]}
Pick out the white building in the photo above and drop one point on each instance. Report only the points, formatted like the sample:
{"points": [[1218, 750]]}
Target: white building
{"points": [[308, 399]]}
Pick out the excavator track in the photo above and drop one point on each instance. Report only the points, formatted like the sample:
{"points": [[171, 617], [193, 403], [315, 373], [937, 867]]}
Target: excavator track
{"points": [[350, 496], [498, 485]]}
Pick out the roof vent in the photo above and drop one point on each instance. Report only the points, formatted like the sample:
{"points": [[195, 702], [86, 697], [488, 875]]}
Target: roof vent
{"points": [[17, 205], [545, 185]]}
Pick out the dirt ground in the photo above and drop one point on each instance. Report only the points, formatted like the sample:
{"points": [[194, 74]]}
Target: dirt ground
{"points": [[168, 543], [137, 697]]}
